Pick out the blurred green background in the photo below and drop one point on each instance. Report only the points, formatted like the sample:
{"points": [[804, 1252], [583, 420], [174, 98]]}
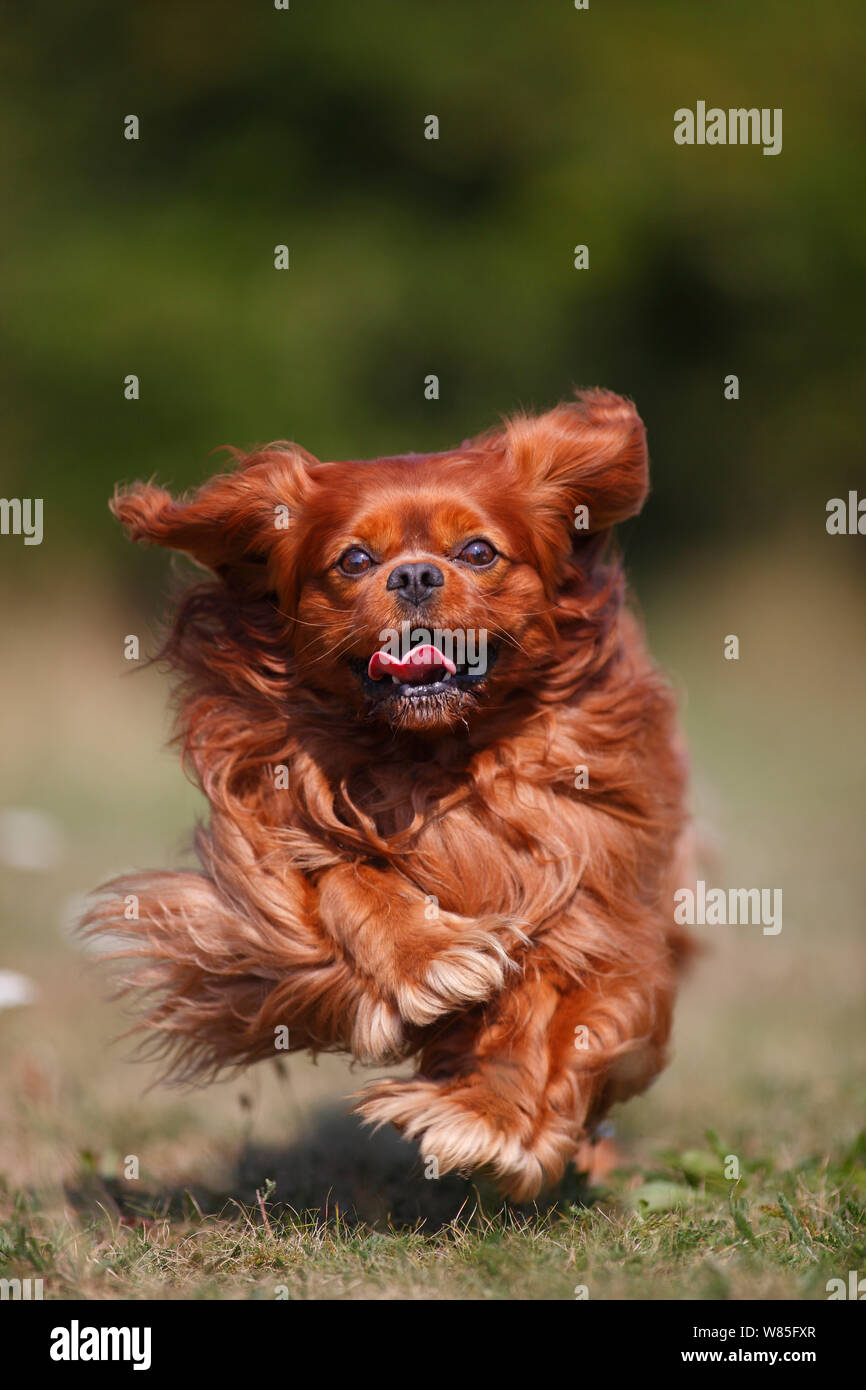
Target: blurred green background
{"points": [[452, 257], [411, 256]]}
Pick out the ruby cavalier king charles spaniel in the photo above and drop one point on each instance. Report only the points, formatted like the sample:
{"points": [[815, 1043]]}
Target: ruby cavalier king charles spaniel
{"points": [[445, 781]]}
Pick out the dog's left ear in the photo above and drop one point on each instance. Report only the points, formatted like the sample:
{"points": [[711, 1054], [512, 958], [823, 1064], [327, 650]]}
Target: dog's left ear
{"points": [[591, 454], [231, 524]]}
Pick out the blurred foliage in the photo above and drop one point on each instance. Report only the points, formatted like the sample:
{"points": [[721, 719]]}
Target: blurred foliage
{"points": [[411, 256]]}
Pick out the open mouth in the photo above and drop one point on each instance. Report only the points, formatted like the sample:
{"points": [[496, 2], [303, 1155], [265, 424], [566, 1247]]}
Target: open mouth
{"points": [[425, 673]]}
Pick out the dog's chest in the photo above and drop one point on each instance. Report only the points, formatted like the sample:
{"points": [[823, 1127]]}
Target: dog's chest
{"points": [[473, 829]]}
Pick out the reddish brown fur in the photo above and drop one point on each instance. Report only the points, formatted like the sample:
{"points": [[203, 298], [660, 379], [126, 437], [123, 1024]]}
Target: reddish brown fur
{"points": [[313, 907]]}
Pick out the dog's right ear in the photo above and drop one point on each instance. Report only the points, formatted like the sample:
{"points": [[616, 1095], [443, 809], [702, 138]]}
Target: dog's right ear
{"points": [[233, 519], [585, 458], [591, 451]]}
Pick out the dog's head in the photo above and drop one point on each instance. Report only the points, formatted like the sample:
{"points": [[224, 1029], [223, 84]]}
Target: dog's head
{"points": [[416, 589]]}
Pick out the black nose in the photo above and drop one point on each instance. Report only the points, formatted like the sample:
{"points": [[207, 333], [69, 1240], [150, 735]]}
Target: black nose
{"points": [[415, 582]]}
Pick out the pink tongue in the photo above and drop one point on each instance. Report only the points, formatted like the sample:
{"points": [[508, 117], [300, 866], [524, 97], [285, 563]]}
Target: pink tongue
{"points": [[421, 664]]}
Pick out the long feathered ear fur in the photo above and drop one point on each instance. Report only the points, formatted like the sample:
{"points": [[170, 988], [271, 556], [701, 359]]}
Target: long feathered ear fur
{"points": [[582, 466], [591, 453], [234, 518]]}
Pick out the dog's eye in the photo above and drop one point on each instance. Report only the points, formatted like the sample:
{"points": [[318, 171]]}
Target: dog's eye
{"points": [[354, 561], [478, 553]]}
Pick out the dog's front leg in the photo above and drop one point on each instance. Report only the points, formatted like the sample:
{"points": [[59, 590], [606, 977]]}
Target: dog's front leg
{"points": [[220, 985], [428, 961], [516, 1085]]}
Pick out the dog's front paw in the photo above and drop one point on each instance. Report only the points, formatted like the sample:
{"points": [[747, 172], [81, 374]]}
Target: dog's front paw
{"points": [[377, 1032], [454, 1125], [467, 972]]}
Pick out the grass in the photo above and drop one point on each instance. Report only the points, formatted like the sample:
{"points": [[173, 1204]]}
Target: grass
{"points": [[675, 1230], [264, 1187]]}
